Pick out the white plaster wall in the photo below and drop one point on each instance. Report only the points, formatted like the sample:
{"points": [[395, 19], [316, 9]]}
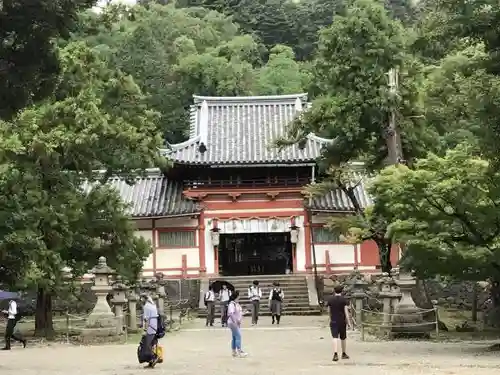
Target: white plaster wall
{"points": [[172, 258], [339, 253], [143, 224], [186, 222], [148, 236], [320, 219]]}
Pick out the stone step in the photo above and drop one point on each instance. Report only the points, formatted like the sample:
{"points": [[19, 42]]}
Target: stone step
{"points": [[265, 312], [295, 289]]}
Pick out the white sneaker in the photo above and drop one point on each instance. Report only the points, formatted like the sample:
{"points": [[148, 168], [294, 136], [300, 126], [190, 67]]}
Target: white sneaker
{"points": [[242, 354]]}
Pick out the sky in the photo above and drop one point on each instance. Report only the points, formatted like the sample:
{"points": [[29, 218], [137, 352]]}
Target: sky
{"points": [[100, 3]]}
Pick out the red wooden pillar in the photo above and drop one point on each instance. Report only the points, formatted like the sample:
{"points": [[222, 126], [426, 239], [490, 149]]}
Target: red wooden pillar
{"points": [[307, 240], [154, 243], [201, 243]]}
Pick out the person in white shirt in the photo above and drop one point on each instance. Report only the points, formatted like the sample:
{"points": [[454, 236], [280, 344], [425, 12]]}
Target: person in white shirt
{"points": [[255, 294], [210, 304], [224, 295], [276, 296], [12, 318]]}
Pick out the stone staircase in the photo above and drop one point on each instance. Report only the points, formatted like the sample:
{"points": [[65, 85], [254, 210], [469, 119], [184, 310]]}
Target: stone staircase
{"points": [[295, 288]]}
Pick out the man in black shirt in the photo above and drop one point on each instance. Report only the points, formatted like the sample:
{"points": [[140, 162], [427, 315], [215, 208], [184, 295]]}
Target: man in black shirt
{"points": [[339, 320]]}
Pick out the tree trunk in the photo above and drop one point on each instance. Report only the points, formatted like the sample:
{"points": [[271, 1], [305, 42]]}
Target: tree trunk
{"points": [[44, 326], [474, 302]]}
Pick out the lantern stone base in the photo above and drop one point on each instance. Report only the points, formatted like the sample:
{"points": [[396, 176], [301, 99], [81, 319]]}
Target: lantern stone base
{"points": [[98, 320], [408, 320], [102, 334]]}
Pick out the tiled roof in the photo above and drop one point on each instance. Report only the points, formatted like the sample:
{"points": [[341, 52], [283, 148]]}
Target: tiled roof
{"points": [[153, 196], [338, 201], [241, 130]]}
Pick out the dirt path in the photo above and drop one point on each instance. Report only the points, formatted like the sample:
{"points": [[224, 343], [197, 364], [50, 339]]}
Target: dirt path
{"points": [[299, 346]]}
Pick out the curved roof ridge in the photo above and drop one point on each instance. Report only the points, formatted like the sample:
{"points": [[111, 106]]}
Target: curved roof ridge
{"points": [[314, 137], [177, 146], [201, 98]]}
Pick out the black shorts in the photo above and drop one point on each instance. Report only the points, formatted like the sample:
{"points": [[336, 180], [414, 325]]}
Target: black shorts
{"points": [[338, 330]]}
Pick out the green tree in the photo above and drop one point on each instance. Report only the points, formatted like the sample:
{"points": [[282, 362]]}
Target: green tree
{"points": [[350, 73], [97, 119], [28, 59], [170, 52], [174, 53], [282, 74], [446, 213]]}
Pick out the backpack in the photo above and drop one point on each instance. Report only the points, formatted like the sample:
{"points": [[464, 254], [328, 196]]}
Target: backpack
{"points": [[276, 295], [160, 330]]}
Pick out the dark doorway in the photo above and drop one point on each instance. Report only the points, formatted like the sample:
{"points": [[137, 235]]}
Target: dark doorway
{"points": [[255, 254]]}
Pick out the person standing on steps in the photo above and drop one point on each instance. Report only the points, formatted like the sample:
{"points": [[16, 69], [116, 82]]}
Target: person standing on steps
{"points": [[255, 294], [276, 297], [224, 295], [210, 304], [339, 321], [234, 318], [13, 317]]}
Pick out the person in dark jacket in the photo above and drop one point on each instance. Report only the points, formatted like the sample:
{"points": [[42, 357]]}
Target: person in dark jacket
{"points": [[276, 297]]}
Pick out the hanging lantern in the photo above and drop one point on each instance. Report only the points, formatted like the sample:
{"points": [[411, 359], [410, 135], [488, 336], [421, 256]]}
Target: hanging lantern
{"points": [[215, 236]]}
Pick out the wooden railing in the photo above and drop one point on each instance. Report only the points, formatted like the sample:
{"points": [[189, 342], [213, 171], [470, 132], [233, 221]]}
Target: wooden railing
{"points": [[262, 182]]}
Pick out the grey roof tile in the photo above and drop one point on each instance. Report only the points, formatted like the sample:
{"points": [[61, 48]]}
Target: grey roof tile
{"points": [[153, 196], [337, 201], [241, 130]]}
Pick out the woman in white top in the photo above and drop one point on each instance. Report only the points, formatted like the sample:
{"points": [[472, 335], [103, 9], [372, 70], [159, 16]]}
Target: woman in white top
{"points": [[12, 318]]}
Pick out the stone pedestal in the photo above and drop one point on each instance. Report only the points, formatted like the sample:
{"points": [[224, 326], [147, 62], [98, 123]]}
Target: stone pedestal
{"points": [[101, 322], [132, 310], [119, 301], [408, 319]]}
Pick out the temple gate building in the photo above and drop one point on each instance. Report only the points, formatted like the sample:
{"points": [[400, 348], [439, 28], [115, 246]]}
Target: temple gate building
{"points": [[233, 205]]}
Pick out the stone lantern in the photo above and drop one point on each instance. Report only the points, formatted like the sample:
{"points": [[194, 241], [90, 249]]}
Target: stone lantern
{"points": [[160, 291], [359, 286], [132, 310], [409, 318], [389, 294], [101, 315], [119, 299]]}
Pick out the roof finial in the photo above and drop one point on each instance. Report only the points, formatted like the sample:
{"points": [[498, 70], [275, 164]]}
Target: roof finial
{"points": [[298, 105], [203, 125]]}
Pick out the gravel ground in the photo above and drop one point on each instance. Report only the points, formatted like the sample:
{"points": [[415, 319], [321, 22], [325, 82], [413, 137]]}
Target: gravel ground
{"points": [[301, 345]]}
